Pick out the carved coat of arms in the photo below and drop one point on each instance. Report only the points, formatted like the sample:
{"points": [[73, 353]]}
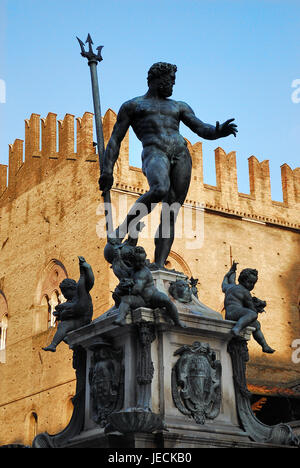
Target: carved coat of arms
{"points": [[196, 382]]}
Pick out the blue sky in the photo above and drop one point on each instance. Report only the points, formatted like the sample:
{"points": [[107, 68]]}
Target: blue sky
{"points": [[235, 58]]}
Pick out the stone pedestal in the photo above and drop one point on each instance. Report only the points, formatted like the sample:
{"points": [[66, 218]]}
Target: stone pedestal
{"points": [[149, 383], [149, 406]]}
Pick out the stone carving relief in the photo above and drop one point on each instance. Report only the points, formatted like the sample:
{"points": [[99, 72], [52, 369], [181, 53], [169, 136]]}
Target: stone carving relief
{"points": [[145, 368], [106, 382], [181, 291]]}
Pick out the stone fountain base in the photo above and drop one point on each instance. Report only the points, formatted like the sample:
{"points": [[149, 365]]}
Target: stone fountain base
{"points": [[150, 384]]}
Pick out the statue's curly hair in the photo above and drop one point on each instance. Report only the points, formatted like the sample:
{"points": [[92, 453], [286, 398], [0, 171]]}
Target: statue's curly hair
{"points": [[246, 273], [139, 250], [132, 254], [159, 69], [68, 283]]}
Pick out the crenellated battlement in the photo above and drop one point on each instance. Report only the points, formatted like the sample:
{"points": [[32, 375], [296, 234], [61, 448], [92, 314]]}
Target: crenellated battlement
{"points": [[50, 142]]}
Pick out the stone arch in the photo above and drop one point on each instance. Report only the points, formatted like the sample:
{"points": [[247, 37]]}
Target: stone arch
{"points": [[51, 277], [298, 300], [31, 427], [48, 294], [69, 407], [176, 262]]}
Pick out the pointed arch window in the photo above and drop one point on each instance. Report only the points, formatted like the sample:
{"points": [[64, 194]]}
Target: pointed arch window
{"points": [[55, 299], [3, 325], [49, 295], [31, 429], [176, 262]]}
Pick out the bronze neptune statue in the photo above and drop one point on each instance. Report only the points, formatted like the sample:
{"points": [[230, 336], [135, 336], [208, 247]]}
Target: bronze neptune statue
{"points": [[166, 160]]}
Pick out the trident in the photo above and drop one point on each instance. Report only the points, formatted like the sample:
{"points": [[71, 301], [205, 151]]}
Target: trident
{"points": [[93, 60]]}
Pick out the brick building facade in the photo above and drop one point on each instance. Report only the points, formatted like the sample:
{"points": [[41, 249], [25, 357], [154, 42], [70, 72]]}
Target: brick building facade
{"points": [[51, 211]]}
